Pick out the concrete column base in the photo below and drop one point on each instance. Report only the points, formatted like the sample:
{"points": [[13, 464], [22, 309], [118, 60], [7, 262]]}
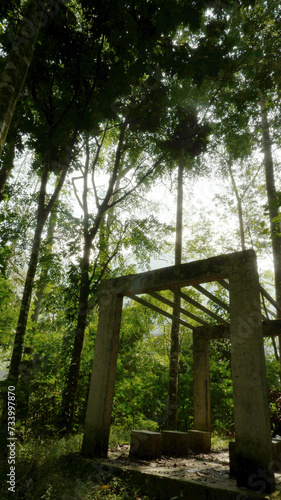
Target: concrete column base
{"points": [[232, 458], [251, 474], [145, 444], [276, 450], [175, 443], [199, 441]]}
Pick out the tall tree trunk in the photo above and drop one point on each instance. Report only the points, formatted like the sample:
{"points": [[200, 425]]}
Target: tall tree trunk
{"points": [[68, 399], [239, 205], [18, 61], [14, 369], [42, 282], [15, 364], [272, 204], [8, 165], [175, 346], [69, 394]]}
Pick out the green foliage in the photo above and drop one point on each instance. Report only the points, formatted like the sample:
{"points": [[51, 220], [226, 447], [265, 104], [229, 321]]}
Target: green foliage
{"points": [[8, 310], [51, 469], [275, 410], [221, 387], [188, 137]]}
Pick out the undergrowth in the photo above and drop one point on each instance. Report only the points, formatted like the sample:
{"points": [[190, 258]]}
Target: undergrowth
{"points": [[52, 469]]}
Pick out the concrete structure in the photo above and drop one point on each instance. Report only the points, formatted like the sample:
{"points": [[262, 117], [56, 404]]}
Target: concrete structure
{"points": [[145, 444], [232, 458], [276, 451], [199, 441], [253, 446], [201, 383], [175, 443]]}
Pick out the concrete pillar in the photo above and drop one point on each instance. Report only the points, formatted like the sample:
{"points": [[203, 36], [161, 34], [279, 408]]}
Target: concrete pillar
{"points": [[201, 383], [98, 416], [253, 447]]}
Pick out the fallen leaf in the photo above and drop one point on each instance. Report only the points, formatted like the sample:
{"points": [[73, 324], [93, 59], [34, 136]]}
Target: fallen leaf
{"points": [[104, 487]]}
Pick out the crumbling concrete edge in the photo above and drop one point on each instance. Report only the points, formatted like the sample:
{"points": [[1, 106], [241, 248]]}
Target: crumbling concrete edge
{"points": [[166, 487]]}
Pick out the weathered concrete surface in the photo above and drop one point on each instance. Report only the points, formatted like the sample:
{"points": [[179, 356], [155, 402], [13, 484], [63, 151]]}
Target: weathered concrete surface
{"points": [[201, 271], [187, 479], [98, 416], [145, 444], [276, 450], [275, 465], [175, 443], [199, 441], [232, 458], [253, 446], [270, 328], [201, 385]]}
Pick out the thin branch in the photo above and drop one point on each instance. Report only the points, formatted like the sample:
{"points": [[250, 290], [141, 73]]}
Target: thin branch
{"points": [[75, 190], [105, 204], [147, 174], [85, 186], [212, 100], [251, 182], [99, 146], [110, 258]]}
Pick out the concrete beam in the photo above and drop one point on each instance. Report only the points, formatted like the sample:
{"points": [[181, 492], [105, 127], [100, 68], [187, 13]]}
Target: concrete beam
{"points": [[201, 271], [270, 328]]}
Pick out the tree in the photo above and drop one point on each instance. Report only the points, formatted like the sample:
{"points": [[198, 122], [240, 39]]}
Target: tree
{"points": [[126, 174], [188, 141], [17, 64], [253, 93], [53, 156], [142, 83]]}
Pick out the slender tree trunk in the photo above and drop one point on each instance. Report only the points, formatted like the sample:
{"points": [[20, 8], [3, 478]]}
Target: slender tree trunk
{"points": [[38, 304], [90, 234], [15, 364], [68, 399], [272, 203], [175, 347], [69, 394], [8, 165], [239, 206], [18, 61], [44, 273]]}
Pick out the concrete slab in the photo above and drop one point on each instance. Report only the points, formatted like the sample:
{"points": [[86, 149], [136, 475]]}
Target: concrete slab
{"points": [[163, 480]]}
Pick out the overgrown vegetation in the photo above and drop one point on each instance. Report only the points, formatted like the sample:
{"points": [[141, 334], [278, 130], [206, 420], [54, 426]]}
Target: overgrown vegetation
{"points": [[52, 469]]}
